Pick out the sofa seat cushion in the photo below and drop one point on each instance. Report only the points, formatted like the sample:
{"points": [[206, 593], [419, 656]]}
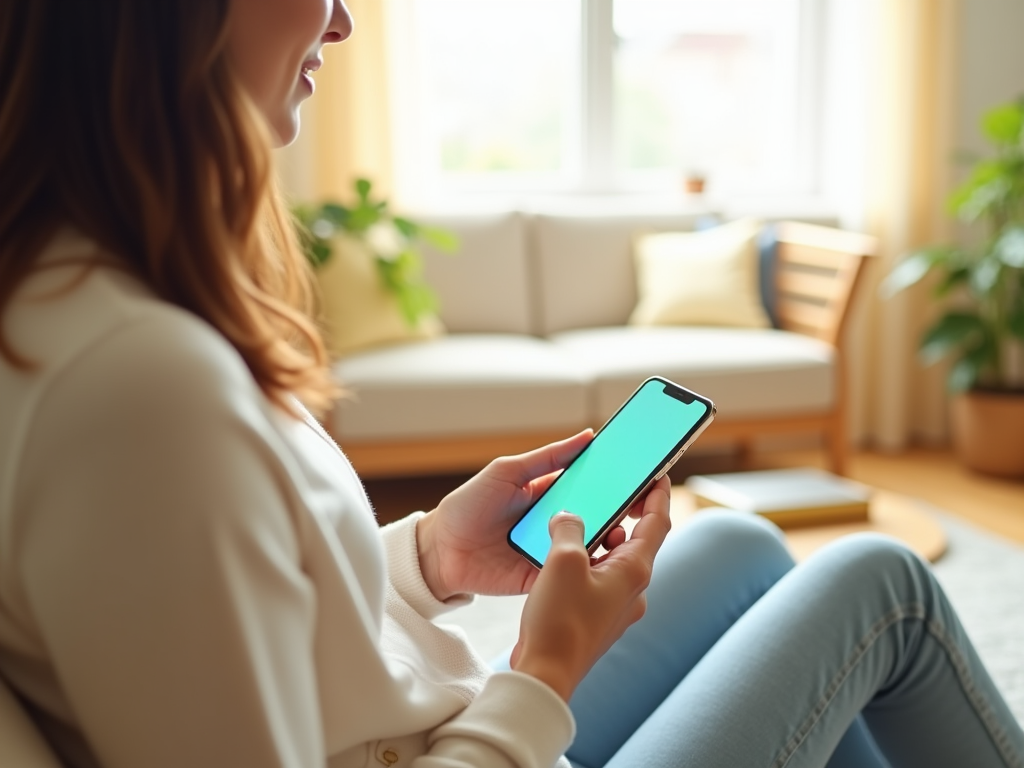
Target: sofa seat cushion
{"points": [[459, 385], [747, 372]]}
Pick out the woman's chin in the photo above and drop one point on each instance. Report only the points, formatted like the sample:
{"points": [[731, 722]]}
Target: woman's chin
{"points": [[286, 129]]}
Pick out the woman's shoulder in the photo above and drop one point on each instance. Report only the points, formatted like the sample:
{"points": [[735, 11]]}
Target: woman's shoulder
{"points": [[67, 316], [107, 352]]}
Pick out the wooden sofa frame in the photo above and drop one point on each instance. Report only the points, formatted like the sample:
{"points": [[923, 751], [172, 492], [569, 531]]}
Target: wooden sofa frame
{"points": [[818, 270]]}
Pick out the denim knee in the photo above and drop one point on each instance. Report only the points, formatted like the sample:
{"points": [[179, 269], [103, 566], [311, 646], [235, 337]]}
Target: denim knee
{"points": [[738, 530], [739, 541], [876, 561]]}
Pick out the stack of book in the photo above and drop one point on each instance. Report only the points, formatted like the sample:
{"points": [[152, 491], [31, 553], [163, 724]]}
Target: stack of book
{"points": [[788, 497]]}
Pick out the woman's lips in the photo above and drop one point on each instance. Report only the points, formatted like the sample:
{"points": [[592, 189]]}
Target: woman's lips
{"points": [[306, 74]]}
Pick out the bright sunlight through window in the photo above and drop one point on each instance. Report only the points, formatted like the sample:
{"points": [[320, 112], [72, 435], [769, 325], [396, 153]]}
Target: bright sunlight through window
{"points": [[610, 96]]}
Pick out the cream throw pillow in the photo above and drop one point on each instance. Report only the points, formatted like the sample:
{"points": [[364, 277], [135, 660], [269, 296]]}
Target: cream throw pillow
{"points": [[700, 278], [357, 310]]}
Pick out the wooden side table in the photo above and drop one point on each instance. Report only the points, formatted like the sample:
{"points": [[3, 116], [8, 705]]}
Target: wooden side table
{"points": [[891, 513]]}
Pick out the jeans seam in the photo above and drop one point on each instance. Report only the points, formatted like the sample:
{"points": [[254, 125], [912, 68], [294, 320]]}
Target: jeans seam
{"points": [[977, 700], [915, 611], [981, 706]]}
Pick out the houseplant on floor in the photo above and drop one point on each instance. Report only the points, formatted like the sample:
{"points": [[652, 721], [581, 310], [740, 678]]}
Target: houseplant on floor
{"points": [[982, 326]]}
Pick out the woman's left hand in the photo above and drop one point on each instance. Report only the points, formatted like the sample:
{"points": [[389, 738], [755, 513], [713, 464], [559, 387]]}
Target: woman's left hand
{"points": [[463, 543]]}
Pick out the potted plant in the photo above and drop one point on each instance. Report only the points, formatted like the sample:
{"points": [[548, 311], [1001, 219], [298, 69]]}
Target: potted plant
{"points": [[982, 287], [370, 272], [391, 241]]}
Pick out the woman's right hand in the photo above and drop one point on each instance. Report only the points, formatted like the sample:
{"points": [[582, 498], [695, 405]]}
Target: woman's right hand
{"points": [[579, 606]]}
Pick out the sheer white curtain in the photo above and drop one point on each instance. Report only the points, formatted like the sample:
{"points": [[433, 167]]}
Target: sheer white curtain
{"points": [[912, 55]]}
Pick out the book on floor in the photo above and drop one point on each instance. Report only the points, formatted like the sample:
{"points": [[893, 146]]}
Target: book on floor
{"points": [[787, 497]]}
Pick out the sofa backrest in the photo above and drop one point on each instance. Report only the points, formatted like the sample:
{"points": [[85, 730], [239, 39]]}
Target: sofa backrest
{"points": [[584, 266], [486, 287], [539, 273]]}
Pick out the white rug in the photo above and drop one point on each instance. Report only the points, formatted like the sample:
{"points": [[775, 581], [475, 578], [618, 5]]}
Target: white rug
{"points": [[982, 573]]}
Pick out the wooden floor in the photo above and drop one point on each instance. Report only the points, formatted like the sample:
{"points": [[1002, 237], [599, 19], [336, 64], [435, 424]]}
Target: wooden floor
{"points": [[932, 475]]}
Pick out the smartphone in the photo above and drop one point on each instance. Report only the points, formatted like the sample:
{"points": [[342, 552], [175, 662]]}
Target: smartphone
{"points": [[634, 448]]}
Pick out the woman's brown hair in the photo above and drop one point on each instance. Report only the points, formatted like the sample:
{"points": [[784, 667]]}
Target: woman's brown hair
{"points": [[122, 119]]}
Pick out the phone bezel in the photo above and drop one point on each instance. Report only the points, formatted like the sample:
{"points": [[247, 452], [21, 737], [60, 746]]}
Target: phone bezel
{"points": [[662, 467]]}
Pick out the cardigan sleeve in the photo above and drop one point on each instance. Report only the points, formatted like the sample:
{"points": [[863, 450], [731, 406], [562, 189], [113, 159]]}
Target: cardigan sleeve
{"points": [[404, 570], [159, 561]]}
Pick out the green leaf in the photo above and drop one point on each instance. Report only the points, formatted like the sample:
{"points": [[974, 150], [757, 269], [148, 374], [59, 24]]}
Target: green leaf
{"points": [[406, 227], [303, 214], [441, 239], [968, 369], [952, 280], [335, 213], [985, 275], [1009, 247], [401, 274], [319, 253], [962, 375], [1016, 321], [1003, 124], [980, 199], [388, 274], [953, 331], [910, 271], [416, 300], [988, 185], [361, 219]]}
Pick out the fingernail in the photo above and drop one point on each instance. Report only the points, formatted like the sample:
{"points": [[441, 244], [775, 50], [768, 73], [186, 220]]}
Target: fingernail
{"points": [[567, 515]]}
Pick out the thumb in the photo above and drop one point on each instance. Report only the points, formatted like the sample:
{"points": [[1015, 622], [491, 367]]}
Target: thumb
{"points": [[566, 528]]}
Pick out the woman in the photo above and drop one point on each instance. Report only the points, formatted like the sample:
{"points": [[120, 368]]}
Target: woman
{"points": [[190, 573]]}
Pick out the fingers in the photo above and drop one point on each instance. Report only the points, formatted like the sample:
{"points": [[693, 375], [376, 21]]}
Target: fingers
{"points": [[614, 538], [636, 509], [567, 550], [566, 530], [650, 531], [538, 486], [524, 467]]}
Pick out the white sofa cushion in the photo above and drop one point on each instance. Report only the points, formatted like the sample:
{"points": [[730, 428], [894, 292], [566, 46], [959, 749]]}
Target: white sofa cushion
{"points": [[485, 286], [747, 372], [585, 269], [460, 385]]}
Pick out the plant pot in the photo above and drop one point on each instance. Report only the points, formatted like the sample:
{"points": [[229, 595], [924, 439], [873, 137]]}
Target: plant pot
{"points": [[988, 431]]}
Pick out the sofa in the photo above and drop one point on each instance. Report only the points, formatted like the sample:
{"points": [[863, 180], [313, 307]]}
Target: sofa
{"points": [[538, 344]]}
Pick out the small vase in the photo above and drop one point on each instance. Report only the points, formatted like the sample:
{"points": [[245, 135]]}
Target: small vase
{"points": [[694, 185]]}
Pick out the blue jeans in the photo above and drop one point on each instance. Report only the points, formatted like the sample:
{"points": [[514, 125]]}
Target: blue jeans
{"points": [[855, 658]]}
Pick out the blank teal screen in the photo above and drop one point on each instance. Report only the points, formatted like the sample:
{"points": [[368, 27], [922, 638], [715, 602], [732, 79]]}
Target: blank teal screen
{"points": [[625, 453]]}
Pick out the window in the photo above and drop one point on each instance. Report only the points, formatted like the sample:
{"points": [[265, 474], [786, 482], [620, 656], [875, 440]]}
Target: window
{"points": [[608, 96], [497, 81], [709, 89]]}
